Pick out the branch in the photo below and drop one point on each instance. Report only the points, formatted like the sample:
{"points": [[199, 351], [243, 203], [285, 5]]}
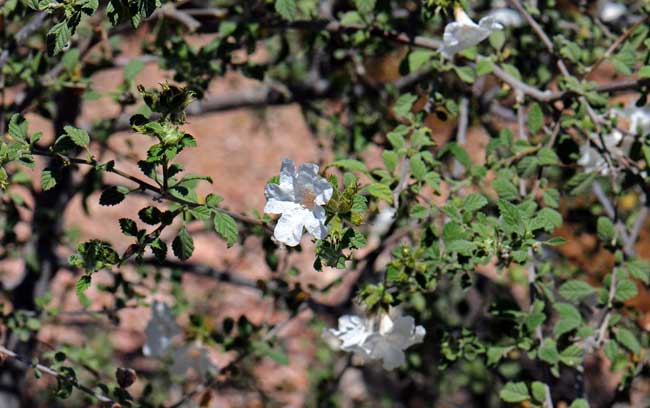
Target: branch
{"points": [[271, 95], [337, 27], [144, 185], [170, 11], [620, 40], [204, 270], [4, 352], [22, 35]]}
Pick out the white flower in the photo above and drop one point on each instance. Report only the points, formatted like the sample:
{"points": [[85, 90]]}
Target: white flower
{"points": [[382, 222], [464, 32], [194, 357], [352, 333], [160, 330], [617, 144], [387, 343], [393, 338], [611, 11], [299, 198], [593, 161], [639, 119], [507, 17]]}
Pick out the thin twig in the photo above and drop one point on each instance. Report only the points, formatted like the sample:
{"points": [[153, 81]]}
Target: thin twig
{"points": [[22, 35], [461, 132], [148, 186], [49, 371], [620, 40]]}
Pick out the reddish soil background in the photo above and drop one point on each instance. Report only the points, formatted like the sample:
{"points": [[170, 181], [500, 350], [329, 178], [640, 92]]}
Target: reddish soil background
{"points": [[240, 150]]}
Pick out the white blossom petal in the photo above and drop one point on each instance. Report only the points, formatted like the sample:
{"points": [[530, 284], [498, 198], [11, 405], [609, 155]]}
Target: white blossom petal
{"points": [[298, 198], [287, 174], [381, 349], [192, 357], [386, 343], [351, 333], [464, 33], [323, 191], [308, 179], [160, 329], [639, 120], [288, 230], [274, 206], [275, 191], [315, 222], [507, 17], [611, 11]]}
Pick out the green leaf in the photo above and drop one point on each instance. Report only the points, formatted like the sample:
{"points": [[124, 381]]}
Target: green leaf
{"points": [[569, 318], [132, 69], [460, 154], [579, 403], [547, 157], [358, 209], [628, 339], [510, 215], [512, 70], [514, 392], [159, 249], [418, 168], [552, 198], [605, 229], [535, 118], [576, 290], [396, 136], [418, 58], [351, 164], [611, 349], [639, 269], [287, 9], [505, 188], [183, 245], [625, 290], [78, 136], [380, 191], [18, 127], [365, 6], [264, 349], [473, 202], [548, 352], [47, 180], [70, 59], [404, 104], [572, 355], [83, 283], [390, 159], [496, 353], [58, 38], [484, 66], [644, 72], [113, 195], [212, 200], [547, 219], [466, 74], [128, 227], [581, 182], [461, 246], [556, 241], [226, 227], [150, 215], [201, 212], [538, 389]]}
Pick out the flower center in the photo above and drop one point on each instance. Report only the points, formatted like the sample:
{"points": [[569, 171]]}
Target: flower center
{"points": [[308, 198]]}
